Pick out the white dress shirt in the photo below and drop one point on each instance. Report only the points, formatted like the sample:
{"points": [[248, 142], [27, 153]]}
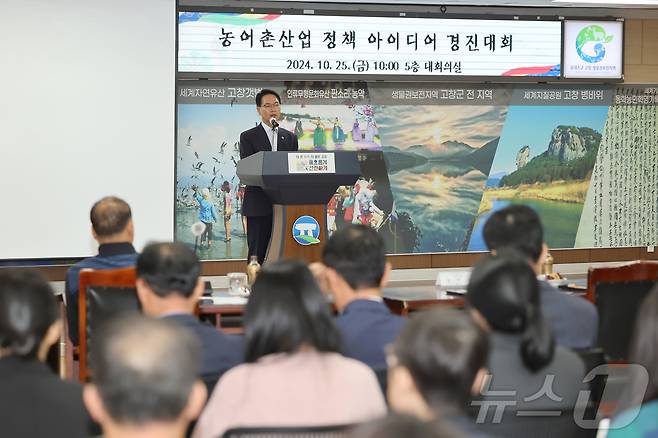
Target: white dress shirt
{"points": [[271, 135]]}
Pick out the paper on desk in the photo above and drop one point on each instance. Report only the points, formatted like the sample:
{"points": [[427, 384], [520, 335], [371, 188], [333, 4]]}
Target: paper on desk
{"points": [[228, 300]]}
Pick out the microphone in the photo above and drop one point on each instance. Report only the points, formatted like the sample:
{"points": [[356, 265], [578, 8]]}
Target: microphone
{"points": [[274, 123]]}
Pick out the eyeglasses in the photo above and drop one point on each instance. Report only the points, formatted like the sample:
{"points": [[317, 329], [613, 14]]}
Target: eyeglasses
{"points": [[271, 105]]}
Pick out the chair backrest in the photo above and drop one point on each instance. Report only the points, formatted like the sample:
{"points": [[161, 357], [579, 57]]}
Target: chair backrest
{"points": [[535, 424], [336, 431], [618, 293], [103, 294]]}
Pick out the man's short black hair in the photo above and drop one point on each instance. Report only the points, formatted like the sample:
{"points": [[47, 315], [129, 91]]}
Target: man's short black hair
{"points": [[110, 216], [265, 92], [144, 368], [517, 227], [358, 254], [443, 349], [169, 268]]}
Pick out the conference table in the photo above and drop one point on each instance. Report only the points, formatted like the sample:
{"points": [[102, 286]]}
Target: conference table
{"points": [[402, 297]]}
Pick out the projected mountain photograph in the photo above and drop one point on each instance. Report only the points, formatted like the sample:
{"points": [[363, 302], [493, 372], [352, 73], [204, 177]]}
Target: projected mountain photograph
{"points": [[438, 159], [545, 159]]}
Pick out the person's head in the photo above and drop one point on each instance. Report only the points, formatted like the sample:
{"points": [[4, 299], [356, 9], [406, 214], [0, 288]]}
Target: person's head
{"points": [[29, 319], [268, 105], [504, 291], [168, 278], [437, 363], [286, 312], [144, 376], [644, 350], [517, 227], [355, 258], [226, 187], [111, 220], [205, 192]]}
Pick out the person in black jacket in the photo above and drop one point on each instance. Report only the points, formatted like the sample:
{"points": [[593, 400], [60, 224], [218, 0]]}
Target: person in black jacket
{"points": [[34, 402], [266, 136]]}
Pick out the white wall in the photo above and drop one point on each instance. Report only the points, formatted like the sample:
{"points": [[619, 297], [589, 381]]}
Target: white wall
{"points": [[86, 110]]}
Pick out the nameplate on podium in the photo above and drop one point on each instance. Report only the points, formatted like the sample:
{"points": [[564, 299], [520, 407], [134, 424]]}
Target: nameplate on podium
{"points": [[305, 162]]}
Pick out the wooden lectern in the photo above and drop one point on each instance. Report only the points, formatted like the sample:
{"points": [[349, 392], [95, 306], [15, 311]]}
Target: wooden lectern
{"points": [[299, 184]]}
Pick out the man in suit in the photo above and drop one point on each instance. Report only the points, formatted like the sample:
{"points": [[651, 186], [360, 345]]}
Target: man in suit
{"points": [[266, 136], [168, 286], [112, 227], [573, 320], [145, 378], [355, 271]]}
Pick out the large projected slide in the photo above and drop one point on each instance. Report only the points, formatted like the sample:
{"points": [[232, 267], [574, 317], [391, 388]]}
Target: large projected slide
{"points": [[87, 111]]}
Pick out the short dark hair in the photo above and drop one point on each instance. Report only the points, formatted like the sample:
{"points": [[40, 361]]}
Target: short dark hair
{"points": [[517, 227], [27, 310], [110, 216], [443, 349], [286, 310], [505, 290], [265, 92], [144, 368], [169, 268], [358, 254]]}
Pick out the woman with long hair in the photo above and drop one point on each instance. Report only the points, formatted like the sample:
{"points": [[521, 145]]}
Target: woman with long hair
{"points": [[524, 361], [33, 400], [294, 374]]}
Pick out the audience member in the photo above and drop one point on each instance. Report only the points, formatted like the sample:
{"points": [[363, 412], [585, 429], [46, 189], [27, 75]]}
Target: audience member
{"points": [[294, 375], [34, 402], [638, 419], [355, 270], [436, 366], [406, 426], [573, 320], [145, 378], [503, 293], [169, 286], [112, 227]]}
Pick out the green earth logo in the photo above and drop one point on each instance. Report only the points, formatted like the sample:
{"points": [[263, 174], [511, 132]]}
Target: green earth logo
{"points": [[590, 43]]}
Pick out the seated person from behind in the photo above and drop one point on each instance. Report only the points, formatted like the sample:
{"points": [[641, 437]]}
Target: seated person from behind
{"points": [[639, 406], [436, 366], [503, 293], [169, 286], [112, 227], [354, 273], [294, 375], [573, 320], [144, 378], [33, 400]]}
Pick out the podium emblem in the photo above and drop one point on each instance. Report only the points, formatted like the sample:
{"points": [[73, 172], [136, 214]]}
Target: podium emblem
{"points": [[306, 230]]}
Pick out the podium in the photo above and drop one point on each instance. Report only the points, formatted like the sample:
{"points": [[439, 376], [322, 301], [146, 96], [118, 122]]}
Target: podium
{"points": [[299, 184]]}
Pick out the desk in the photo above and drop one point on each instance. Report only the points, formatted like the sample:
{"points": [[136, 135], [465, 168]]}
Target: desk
{"points": [[402, 297]]}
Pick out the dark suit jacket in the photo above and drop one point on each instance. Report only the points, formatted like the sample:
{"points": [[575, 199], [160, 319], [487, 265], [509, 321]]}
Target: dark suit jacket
{"points": [[573, 320], [256, 202], [367, 326], [34, 402], [219, 351]]}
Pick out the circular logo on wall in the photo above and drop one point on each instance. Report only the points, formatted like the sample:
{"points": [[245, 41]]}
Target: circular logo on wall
{"points": [[590, 43], [306, 230]]}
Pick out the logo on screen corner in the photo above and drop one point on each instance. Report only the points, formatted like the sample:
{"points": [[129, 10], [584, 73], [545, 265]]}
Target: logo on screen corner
{"points": [[306, 230], [590, 43]]}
